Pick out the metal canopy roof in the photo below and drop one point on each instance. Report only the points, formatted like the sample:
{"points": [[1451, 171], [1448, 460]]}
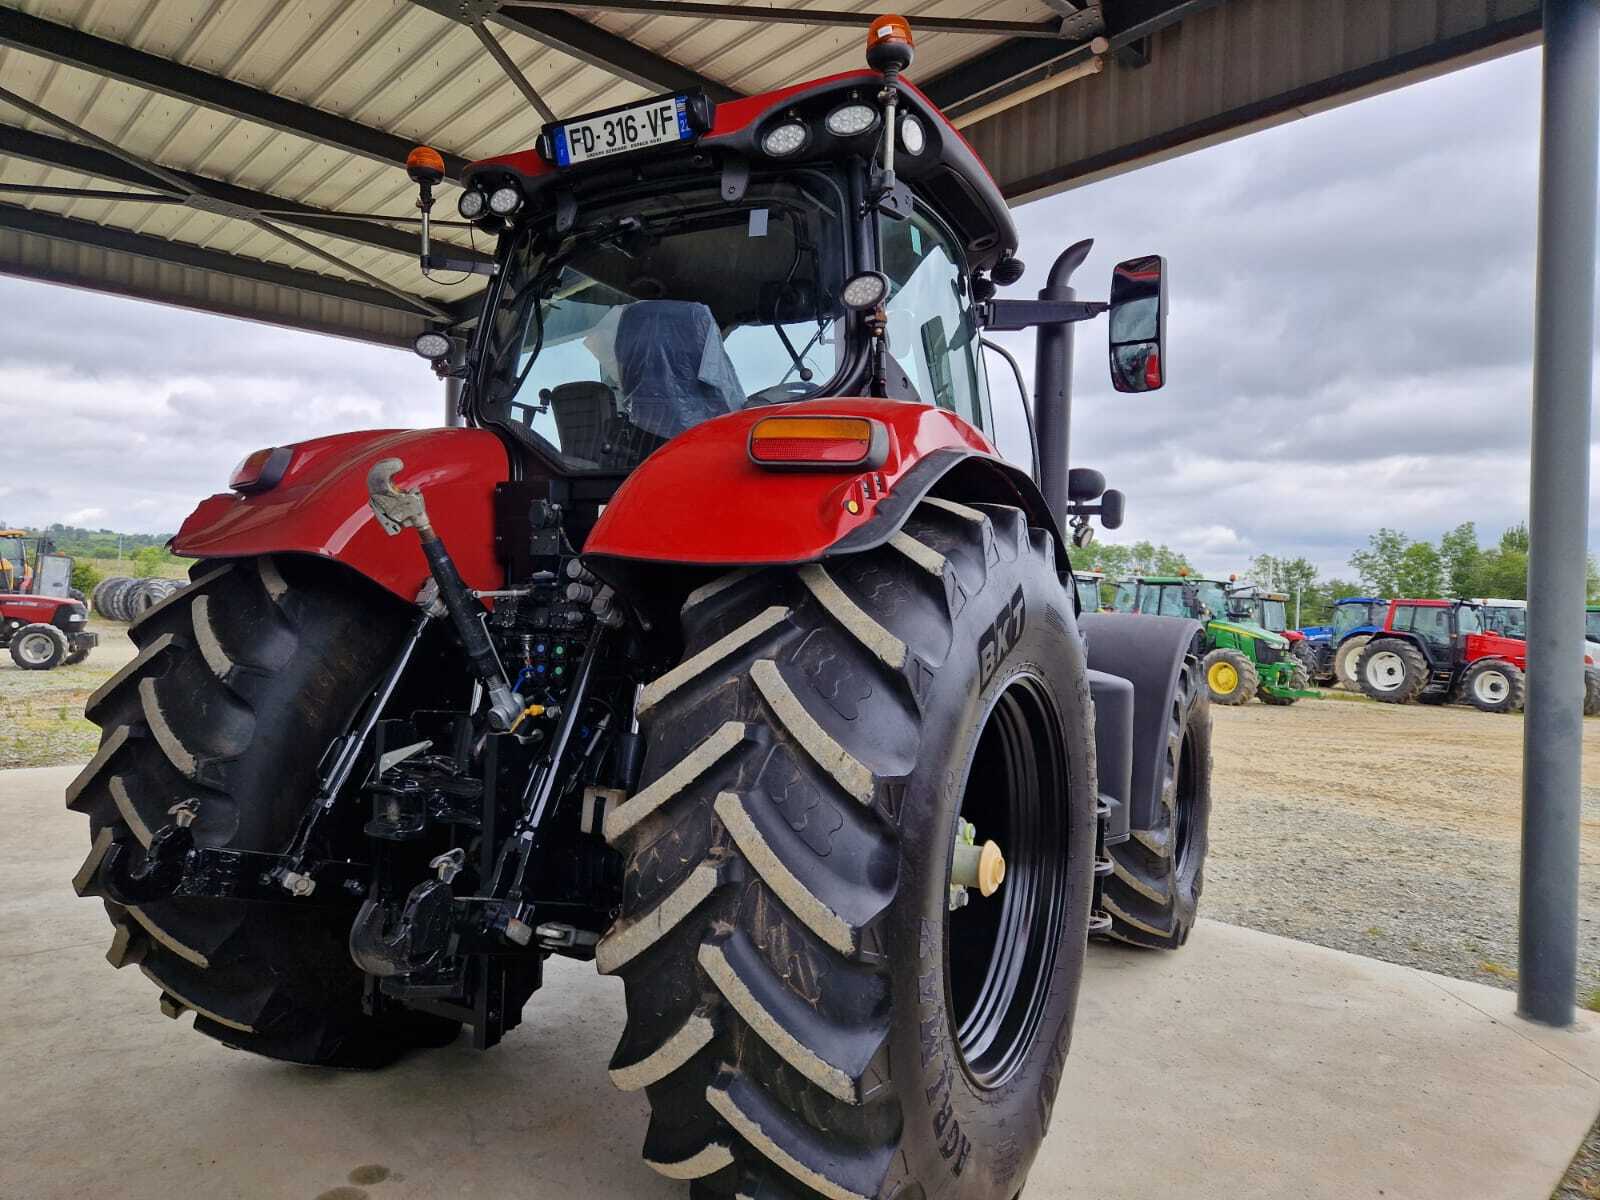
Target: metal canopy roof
{"points": [[242, 124]]}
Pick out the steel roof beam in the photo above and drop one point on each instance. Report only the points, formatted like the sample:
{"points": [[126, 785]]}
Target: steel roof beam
{"points": [[71, 156], [764, 15], [1014, 63], [74, 48], [70, 229], [586, 42]]}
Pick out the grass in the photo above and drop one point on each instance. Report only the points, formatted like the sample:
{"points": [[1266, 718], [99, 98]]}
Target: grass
{"points": [[41, 712], [1498, 970], [1592, 1001], [176, 568]]}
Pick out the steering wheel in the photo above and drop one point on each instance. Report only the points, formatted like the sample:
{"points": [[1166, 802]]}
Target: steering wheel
{"points": [[782, 393]]}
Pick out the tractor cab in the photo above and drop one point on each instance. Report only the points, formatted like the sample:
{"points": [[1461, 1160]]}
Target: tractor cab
{"points": [[1508, 618], [674, 261], [15, 573], [1266, 609], [1088, 587]]}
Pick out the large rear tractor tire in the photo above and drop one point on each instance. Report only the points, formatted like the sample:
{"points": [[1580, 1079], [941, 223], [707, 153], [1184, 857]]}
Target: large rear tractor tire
{"points": [[808, 1013], [240, 682], [1392, 671], [1493, 685], [1157, 875], [38, 647], [1230, 676], [1345, 659], [1299, 680]]}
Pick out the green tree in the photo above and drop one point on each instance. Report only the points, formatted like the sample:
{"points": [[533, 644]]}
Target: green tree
{"points": [[147, 561], [1421, 572], [1460, 555], [85, 577], [1380, 565]]}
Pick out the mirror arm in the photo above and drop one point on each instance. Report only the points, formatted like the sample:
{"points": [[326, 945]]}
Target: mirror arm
{"points": [[1002, 315]]}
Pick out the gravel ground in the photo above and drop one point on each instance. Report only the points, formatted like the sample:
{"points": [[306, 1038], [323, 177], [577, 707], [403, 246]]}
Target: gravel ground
{"points": [[41, 712], [1384, 830]]}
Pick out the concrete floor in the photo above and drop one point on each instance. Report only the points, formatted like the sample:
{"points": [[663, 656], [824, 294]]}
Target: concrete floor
{"points": [[1245, 1066]]}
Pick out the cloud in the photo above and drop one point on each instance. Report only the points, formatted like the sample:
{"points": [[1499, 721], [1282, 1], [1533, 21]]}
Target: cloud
{"points": [[84, 517], [1350, 346]]}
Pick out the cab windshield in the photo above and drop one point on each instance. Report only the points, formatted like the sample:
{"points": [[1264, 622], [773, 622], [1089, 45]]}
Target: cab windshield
{"points": [[1270, 614], [1347, 616], [13, 563], [659, 312], [1506, 621]]}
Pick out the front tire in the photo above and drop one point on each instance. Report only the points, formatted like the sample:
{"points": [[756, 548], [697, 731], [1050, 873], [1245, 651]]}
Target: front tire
{"points": [[1230, 676], [807, 1014], [1392, 671], [240, 682], [1494, 686], [1157, 875], [38, 647]]}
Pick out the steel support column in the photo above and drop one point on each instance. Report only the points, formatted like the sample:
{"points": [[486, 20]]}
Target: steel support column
{"points": [[1558, 513]]}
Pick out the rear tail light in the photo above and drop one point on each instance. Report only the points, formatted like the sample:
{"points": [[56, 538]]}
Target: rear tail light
{"points": [[260, 470], [818, 443]]}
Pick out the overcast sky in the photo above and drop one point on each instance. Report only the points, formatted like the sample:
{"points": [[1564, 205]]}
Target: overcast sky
{"points": [[1349, 346]]}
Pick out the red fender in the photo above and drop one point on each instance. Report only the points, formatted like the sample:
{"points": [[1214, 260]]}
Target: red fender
{"points": [[1494, 645], [699, 500], [320, 507]]}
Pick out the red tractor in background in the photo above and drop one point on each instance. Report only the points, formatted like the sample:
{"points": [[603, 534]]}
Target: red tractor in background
{"points": [[40, 630], [1437, 650], [722, 649]]}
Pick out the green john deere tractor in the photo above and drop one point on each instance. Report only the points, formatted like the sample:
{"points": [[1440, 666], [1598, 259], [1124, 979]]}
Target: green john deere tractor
{"points": [[1242, 658]]}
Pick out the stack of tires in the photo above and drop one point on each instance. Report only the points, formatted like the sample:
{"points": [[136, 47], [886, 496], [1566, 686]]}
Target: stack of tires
{"points": [[122, 598]]}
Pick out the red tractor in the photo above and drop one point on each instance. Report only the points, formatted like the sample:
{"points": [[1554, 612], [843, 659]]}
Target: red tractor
{"points": [[42, 631], [1436, 650], [721, 649]]}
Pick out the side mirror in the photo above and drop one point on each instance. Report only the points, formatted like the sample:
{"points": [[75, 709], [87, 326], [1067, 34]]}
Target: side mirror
{"points": [[1113, 504], [1084, 484], [1139, 324]]}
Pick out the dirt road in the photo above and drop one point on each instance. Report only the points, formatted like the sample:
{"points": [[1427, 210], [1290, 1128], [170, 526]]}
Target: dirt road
{"points": [[1384, 830]]}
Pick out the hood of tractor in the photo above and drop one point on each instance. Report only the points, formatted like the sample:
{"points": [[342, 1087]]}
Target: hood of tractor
{"points": [[1244, 629]]}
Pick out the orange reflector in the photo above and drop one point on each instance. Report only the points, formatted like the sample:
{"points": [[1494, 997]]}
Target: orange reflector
{"points": [[425, 165], [261, 469], [818, 442]]}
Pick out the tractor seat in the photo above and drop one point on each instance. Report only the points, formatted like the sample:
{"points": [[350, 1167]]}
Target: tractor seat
{"points": [[673, 368], [585, 413]]}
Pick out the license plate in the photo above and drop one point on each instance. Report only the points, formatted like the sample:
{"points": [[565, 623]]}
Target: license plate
{"points": [[636, 127]]}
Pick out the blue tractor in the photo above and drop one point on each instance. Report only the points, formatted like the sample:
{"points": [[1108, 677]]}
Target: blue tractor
{"points": [[1330, 651]]}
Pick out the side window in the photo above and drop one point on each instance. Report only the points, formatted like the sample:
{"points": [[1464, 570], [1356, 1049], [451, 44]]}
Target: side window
{"points": [[933, 333], [1468, 618], [1172, 604], [1126, 595], [1403, 615]]}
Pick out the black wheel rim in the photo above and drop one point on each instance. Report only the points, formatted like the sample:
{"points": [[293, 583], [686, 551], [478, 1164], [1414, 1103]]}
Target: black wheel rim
{"points": [[1000, 950]]}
